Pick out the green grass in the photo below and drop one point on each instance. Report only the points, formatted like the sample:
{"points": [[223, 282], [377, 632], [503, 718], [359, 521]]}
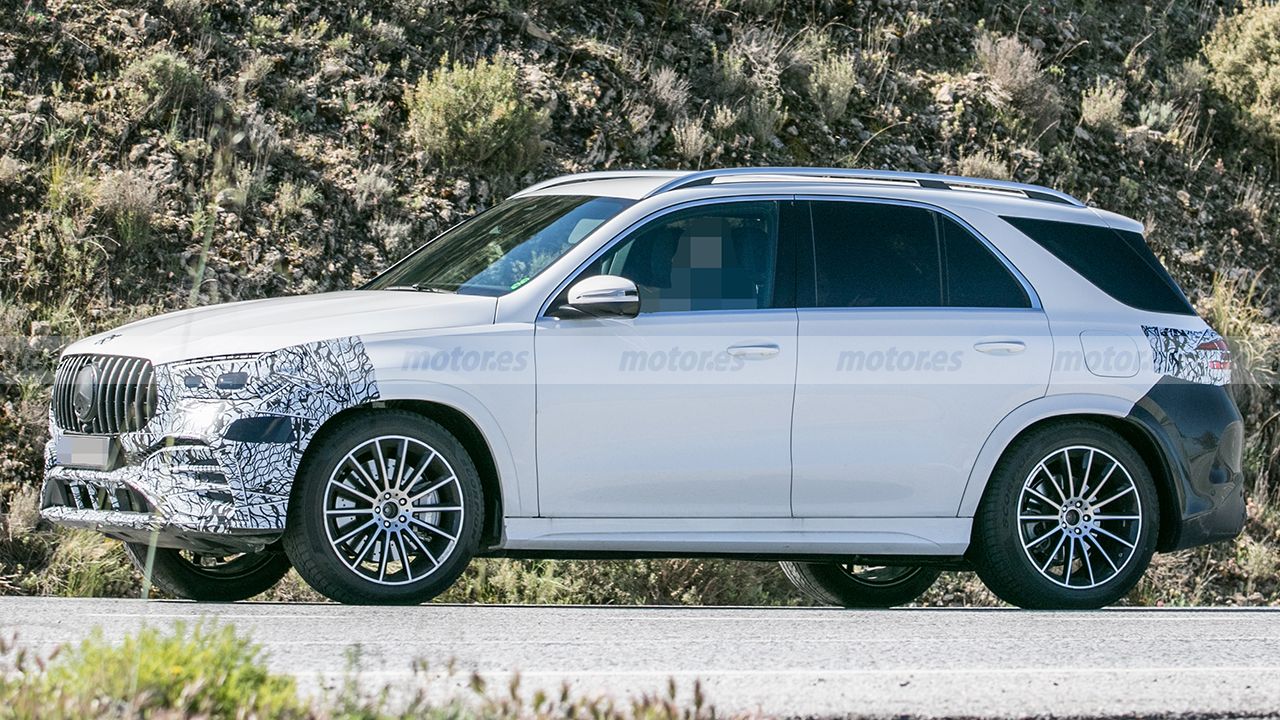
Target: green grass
{"points": [[207, 671]]}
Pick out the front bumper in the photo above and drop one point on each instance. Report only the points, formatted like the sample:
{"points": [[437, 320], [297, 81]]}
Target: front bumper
{"points": [[213, 469], [180, 496], [1200, 436]]}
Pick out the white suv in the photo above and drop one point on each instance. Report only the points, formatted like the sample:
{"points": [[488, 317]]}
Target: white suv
{"points": [[870, 376]]}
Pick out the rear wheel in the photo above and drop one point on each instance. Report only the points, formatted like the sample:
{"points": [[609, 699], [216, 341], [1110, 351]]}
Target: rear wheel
{"points": [[1068, 521], [388, 510], [860, 586], [202, 576]]}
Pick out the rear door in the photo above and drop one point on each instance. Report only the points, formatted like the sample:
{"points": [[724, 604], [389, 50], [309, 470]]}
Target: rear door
{"points": [[915, 339]]}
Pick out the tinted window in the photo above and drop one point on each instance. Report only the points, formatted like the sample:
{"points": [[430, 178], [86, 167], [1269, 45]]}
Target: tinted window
{"points": [[1118, 262], [875, 255], [883, 255], [712, 257], [975, 276]]}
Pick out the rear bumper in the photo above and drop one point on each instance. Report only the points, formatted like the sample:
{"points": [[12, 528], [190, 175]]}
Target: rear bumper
{"points": [[1200, 436]]}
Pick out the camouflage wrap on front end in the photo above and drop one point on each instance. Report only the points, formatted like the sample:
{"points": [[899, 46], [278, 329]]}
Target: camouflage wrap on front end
{"points": [[196, 478]]}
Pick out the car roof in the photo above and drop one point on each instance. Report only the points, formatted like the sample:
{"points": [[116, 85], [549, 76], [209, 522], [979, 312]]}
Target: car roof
{"points": [[999, 196]]}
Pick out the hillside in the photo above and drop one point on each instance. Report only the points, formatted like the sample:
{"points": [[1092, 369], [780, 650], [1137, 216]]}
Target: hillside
{"points": [[158, 155]]}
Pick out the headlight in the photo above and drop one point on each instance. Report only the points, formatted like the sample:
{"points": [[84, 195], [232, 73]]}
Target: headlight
{"points": [[217, 377]]}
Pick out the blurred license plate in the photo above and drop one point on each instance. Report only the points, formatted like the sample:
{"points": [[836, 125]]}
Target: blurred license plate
{"points": [[87, 451]]}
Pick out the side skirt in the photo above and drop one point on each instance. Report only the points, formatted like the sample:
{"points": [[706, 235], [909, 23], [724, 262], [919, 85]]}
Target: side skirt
{"points": [[737, 537]]}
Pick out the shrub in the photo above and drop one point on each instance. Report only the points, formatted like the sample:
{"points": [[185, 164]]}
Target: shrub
{"points": [[983, 164], [692, 142], [765, 116], [161, 84], [1102, 106], [832, 83], [476, 116], [85, 564], [23, 514], [202, 672], [1244, 65], [1015, 69], [623, 582], [127, 200], [670, 90]]}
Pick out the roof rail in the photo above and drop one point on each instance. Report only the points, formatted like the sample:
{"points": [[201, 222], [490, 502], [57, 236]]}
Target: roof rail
{"points": [[924, 180], [601, 175]]}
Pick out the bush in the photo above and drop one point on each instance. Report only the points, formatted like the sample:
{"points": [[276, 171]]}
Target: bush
{"points": [[476, 116], [832, 83], [983, 164], [127, 199], [1102, 106], [204, 672], [1015, 69], [624, 582], [84, 563], [670, 90], [162, 84], [692, 142], [1244, 65]]}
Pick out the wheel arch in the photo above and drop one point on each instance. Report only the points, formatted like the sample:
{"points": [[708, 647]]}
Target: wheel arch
{"points": [[461, 426], [1109, 412]]}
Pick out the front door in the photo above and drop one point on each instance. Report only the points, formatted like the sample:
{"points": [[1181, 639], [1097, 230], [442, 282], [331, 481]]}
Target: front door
{"points": [[685, 410]]}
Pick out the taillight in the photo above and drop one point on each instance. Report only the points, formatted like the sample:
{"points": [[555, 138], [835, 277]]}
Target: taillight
{"points": [[1218, 345]]}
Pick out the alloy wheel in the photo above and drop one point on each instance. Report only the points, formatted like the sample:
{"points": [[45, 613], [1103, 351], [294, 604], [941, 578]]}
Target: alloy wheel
{"points": [[393, 510], [1079, 517]]}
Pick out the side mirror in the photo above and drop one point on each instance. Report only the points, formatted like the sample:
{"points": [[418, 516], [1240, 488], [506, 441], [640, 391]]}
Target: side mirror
{"points": [[601, 296]]}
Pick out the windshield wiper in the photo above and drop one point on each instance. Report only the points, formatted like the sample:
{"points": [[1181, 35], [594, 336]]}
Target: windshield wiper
{"points": [[422, 287]]}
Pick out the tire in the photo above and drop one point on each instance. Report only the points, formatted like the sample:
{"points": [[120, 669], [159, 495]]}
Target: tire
{"points": [[1058, 489], [348, 532], [855, 586], [204, 577]]}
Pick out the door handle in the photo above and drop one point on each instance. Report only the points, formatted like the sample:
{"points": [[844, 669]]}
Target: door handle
{"points": [[1000, 347], [763, 350]]}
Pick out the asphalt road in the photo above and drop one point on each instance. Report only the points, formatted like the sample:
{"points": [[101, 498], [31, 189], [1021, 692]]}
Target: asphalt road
{"points": [[802, 661]]}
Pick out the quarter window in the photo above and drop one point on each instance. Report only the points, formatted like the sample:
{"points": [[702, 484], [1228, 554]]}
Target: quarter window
{"points": [[886, 255], [1118, 262]]}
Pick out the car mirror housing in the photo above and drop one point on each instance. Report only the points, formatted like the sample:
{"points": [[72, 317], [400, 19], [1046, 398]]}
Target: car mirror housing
{"points": [[601, 296]]}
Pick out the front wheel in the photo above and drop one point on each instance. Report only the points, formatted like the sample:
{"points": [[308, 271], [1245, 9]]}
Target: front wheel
{"points": [[387, 510], [860, 586], [1068, 521], [202, 576]]}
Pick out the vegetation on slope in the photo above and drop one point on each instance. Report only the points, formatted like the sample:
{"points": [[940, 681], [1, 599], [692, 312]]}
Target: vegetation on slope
{"points": [[157, 154]]}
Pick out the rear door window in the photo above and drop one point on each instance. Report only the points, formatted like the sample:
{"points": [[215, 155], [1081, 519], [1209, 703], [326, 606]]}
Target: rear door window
{"points": [[886, 255]]}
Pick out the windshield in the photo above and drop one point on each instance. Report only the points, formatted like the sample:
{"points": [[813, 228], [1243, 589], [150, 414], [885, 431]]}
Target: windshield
{"points": [[502, 249]]}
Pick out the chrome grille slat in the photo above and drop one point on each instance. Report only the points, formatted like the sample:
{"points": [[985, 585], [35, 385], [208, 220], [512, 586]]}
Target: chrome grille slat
{"points": [[124, 398], [106, 393], [128, 400]]}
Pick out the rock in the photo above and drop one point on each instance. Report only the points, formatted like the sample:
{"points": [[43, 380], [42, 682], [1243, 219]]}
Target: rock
{"points": [[41, 327], [37, 104], [945, 94]]}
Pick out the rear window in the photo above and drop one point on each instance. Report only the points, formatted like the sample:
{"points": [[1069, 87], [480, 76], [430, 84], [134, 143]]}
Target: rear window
{"points": [[1117, 261]]}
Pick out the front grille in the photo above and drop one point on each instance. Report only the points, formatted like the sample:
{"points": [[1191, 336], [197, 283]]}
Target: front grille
{"points": [[123, 400]]}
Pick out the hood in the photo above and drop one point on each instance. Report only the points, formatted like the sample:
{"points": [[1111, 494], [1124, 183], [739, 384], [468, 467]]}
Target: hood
{"points": [[264, 325]]}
